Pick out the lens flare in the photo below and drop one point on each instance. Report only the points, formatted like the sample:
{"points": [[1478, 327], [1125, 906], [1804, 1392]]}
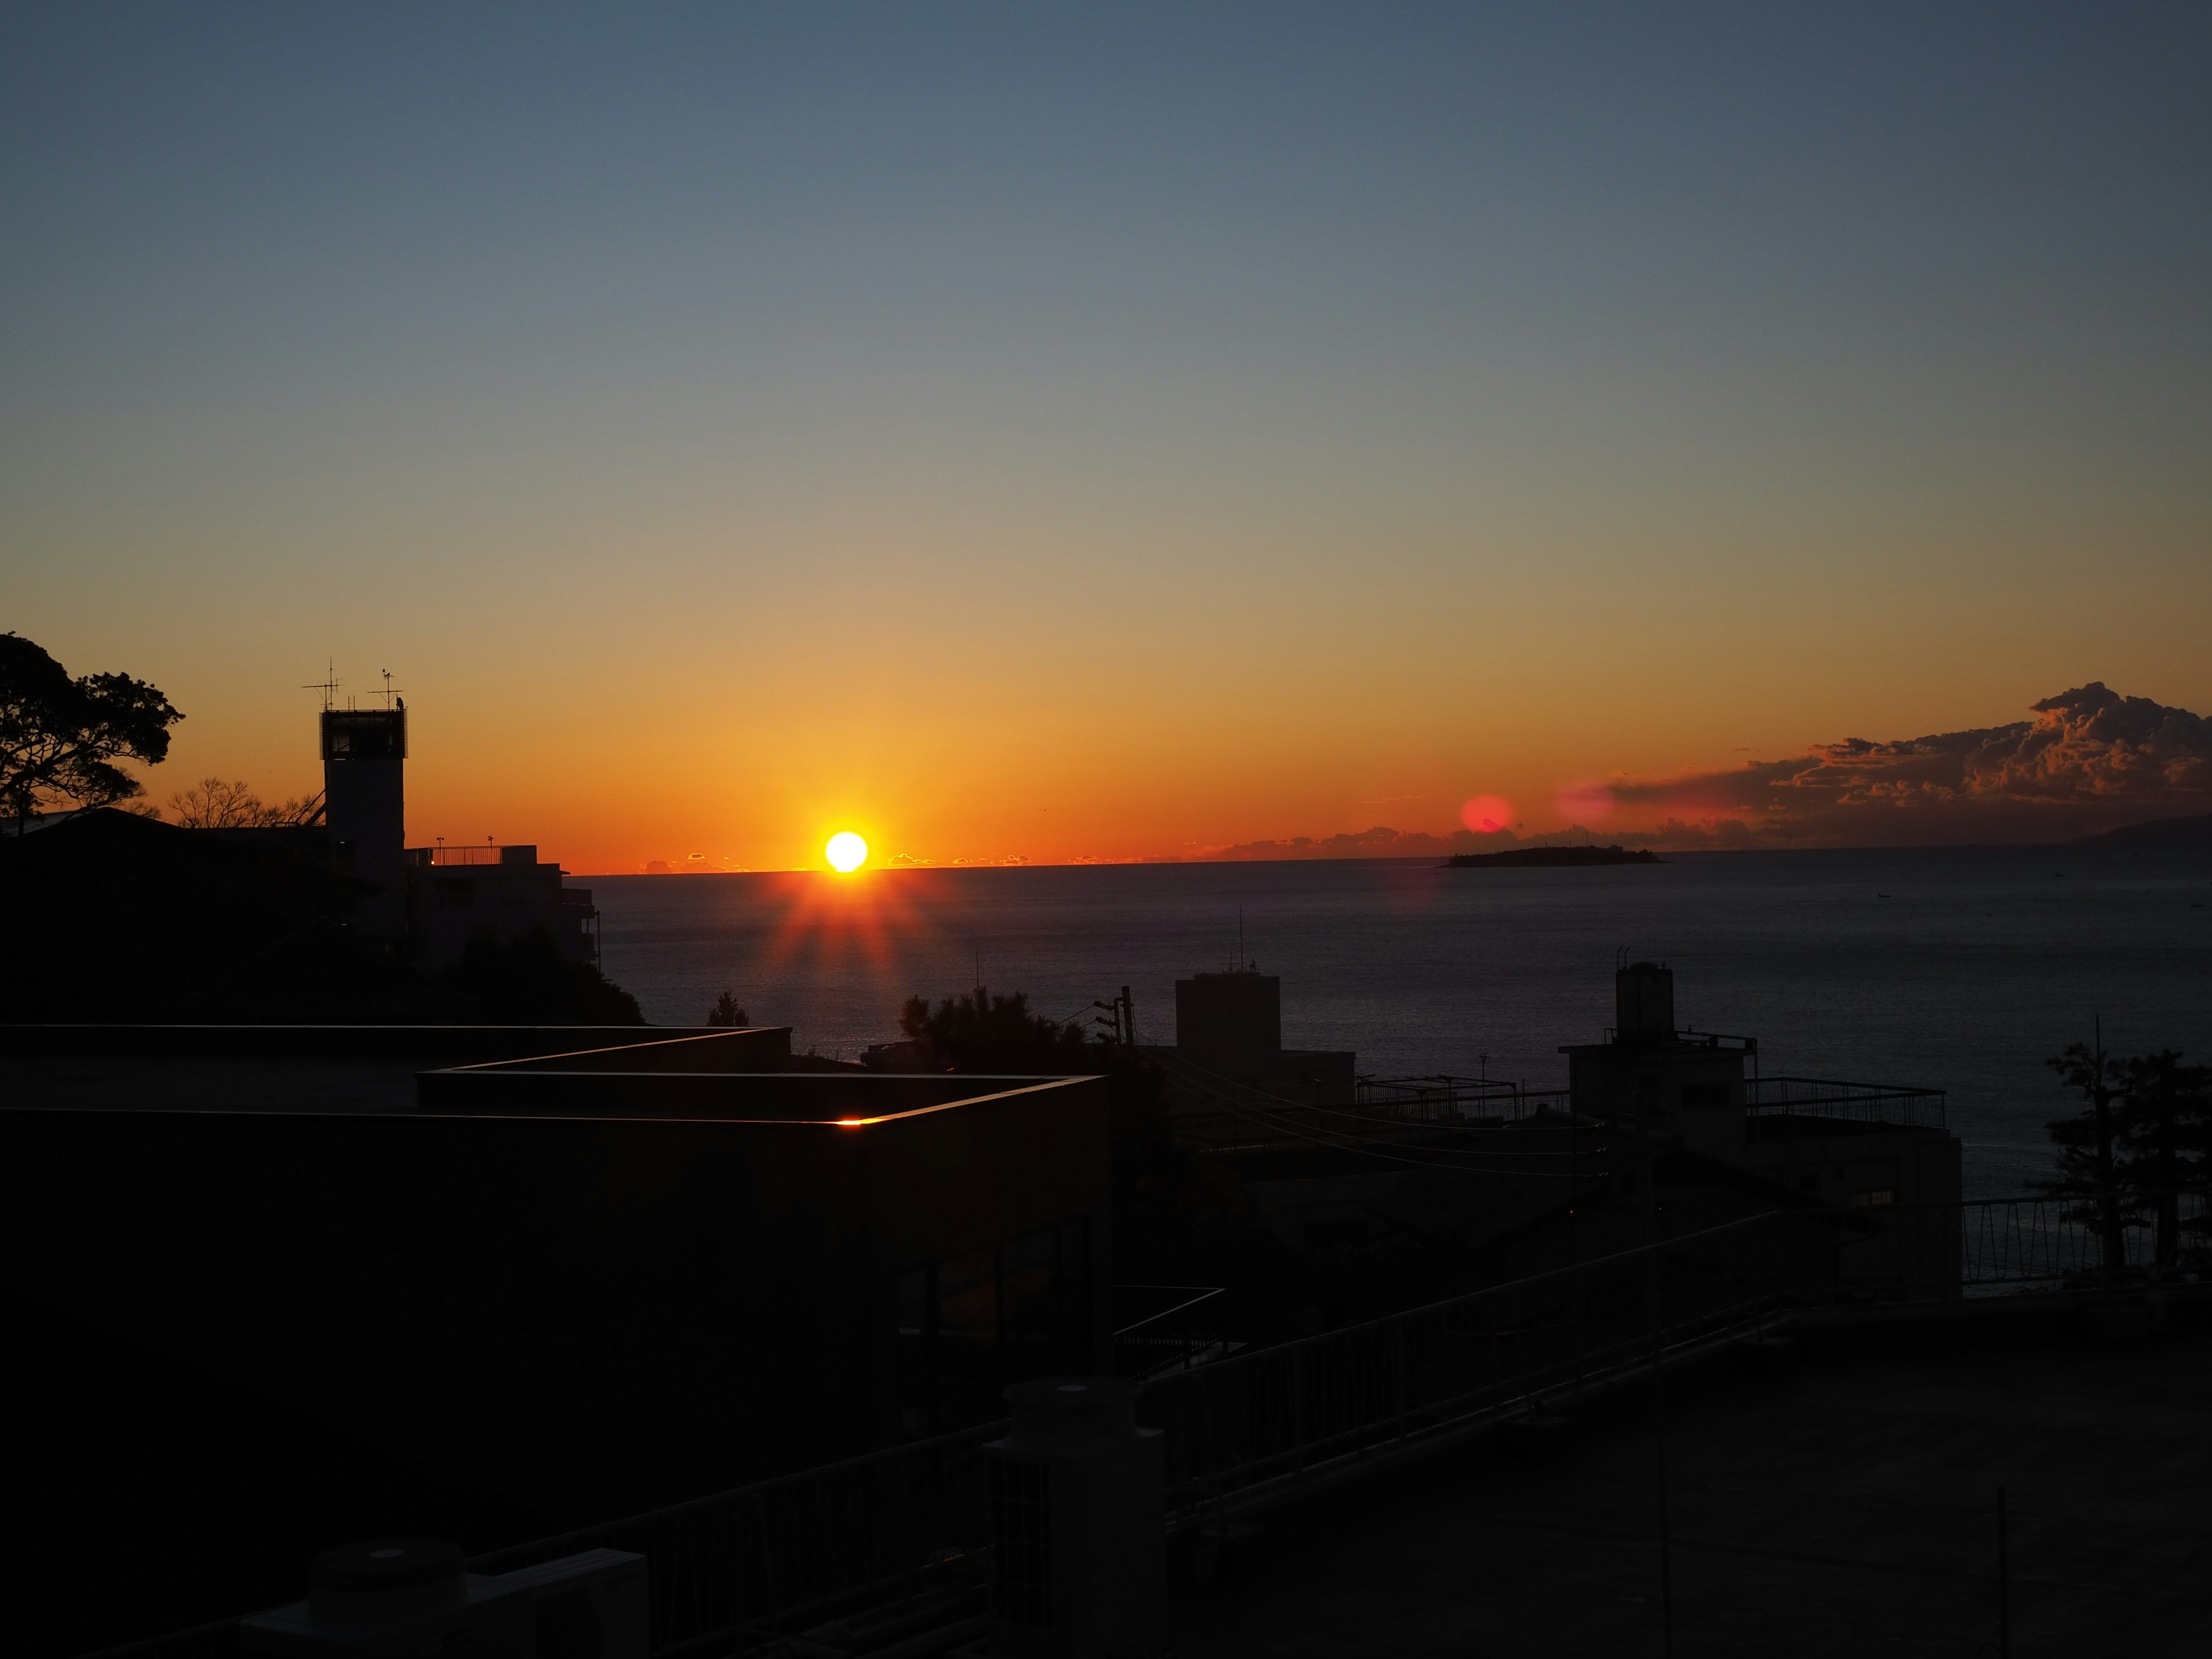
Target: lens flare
{"points": [[1487, 814], [845, 852]]}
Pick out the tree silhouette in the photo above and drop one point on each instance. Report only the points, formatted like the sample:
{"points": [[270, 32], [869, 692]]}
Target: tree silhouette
{"points": [[984, 1033], [527, 981], [60, 737], [725, 1012], [215, 805], [2143, 1135], [2165, 1141], [2087, 1169]]}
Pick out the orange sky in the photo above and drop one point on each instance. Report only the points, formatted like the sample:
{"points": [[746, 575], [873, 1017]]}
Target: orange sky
{"points": [[1098, 438]]}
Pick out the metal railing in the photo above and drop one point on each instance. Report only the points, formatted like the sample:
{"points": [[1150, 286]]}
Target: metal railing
{"points": [[1259, 1417], [1861, 1102], [1448, 1099], [1162, 1327], [898, 1530], [899, 1538], [2053, 1241], [1223, 1114], [463, 852]]}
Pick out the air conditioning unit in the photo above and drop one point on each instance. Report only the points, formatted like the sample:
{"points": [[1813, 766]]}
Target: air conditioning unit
{"points": [[413, 1598]]}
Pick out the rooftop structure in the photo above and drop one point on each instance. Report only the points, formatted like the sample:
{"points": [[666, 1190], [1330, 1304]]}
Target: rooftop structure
{"points": [[365, 804], [460, 893], [1229, 1048], [1881, 1149], [882, 1255], [428, 903]]}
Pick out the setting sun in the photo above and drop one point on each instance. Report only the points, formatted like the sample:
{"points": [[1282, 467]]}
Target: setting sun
{"points": [[845, 852]]}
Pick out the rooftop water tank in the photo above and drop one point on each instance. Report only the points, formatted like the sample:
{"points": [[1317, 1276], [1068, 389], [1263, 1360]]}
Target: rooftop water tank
{"points": [[1078, 1498], [1643, 997]]}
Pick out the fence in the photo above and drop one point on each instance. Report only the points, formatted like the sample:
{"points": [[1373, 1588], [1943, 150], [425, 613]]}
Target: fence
{"points": [[2042, 1240]]}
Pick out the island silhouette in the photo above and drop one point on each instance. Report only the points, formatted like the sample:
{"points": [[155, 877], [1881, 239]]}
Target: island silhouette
{"points": [[1547, 857]]}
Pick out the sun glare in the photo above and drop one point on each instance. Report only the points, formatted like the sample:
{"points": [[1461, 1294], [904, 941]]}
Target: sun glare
{"points": [[845, 852], [1487, 814]]}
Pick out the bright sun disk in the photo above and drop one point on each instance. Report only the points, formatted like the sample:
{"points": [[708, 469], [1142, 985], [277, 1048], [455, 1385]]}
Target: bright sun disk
{"points": [[845, 852]]}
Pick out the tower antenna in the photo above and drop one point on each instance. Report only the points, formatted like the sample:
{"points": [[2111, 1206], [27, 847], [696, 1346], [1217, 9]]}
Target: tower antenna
{"points": [[389, 688], [328, 686]]}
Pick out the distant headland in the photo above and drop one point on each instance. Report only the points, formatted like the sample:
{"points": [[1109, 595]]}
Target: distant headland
{"points": [[2158, 832], [1550, 858]]}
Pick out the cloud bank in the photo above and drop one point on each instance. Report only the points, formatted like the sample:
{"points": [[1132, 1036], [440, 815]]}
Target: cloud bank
{"points": [[2091, 760]]}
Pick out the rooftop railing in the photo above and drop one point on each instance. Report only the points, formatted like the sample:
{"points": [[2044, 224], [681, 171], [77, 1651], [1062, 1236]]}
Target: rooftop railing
{"points": [[466, 853], [1443, 1098], [897, 1541], [1267, 1418], [1862, 1102]]}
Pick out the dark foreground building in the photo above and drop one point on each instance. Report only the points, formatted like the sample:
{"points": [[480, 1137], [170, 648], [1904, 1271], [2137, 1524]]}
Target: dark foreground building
{"points": [[566, 1289]]}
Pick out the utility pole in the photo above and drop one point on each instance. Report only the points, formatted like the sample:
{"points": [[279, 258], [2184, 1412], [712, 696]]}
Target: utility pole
{"points": [[1125, 1018], [1645, 1102], [2004, 1581]]}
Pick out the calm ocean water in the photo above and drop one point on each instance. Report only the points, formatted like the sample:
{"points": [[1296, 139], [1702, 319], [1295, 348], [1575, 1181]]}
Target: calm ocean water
{"points": [[1959, 969]]}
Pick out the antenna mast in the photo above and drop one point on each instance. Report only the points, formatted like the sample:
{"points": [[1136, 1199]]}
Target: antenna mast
{"points": [[328, 686]]}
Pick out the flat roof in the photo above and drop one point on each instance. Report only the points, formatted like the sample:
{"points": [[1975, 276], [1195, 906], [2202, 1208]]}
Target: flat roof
{"points": [[1840, 1505], [845, 1100]]}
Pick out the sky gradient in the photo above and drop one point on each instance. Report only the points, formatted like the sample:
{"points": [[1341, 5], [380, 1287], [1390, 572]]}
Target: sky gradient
{"points": [[1126, 432]]}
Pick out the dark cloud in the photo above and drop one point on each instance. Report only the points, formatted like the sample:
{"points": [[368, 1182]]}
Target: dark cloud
{"points": [[2091, 760], [1376, 843], [1384, 843]]}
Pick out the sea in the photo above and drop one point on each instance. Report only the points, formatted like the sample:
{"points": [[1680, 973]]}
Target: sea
{"points": [[1959, 969]]}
